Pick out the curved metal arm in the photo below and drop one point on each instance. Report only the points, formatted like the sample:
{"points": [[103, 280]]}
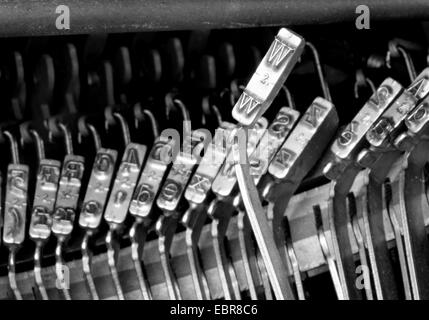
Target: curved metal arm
{"points": [[263, 234]]}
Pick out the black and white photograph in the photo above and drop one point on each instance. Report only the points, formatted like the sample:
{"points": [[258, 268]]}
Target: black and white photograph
{"points": [[219, 155]]}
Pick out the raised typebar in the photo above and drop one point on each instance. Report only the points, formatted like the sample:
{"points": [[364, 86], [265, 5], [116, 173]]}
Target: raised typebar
{"points": [[269, 77]]}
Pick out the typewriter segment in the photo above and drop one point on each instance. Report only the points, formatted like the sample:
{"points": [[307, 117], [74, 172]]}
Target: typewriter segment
{"points": [[283, 161]]}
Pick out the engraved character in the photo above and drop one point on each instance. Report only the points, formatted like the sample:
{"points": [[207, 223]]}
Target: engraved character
{"points": [[381, 129], [41, 217], [280, 125], [73, 170], [279, 51], [120, 197], [48, 175], [64, 215], [199, 183], [313, 115], [18, 183], [15, 218], [170, 190], [143, 194], [284, 157], [420, 88], [131, 161], [91, 208], [103, 163], [248, 103], [420, 113], [380, 96]]}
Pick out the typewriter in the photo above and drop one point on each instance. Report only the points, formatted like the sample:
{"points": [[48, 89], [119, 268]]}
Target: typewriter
{"points": [[214, 150]]}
